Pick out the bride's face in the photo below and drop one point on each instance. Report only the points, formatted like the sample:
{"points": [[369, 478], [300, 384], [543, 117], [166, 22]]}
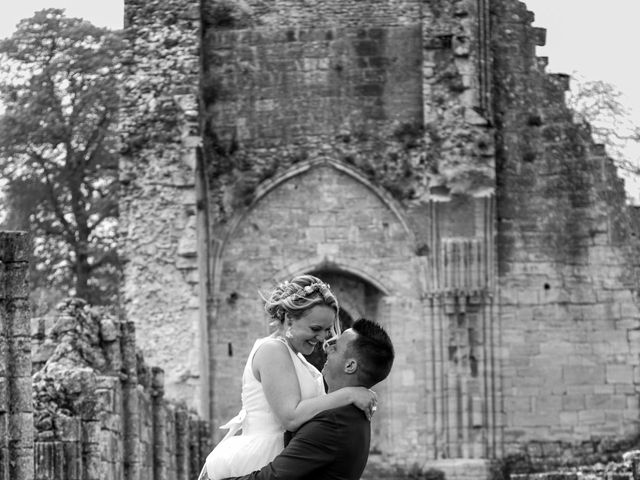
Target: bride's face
{"points": [[312, 327]]}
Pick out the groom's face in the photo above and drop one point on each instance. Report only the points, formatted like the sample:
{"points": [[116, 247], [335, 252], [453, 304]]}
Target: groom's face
{"points": [[337, 352]]}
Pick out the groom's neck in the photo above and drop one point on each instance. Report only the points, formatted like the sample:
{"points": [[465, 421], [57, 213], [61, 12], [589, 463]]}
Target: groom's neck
{"points": [[339, 383]]}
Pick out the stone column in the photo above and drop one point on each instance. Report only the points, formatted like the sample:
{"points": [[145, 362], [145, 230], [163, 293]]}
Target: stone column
{"points": [[131, 408], [16, 409], [159, 416], [182, 443]]}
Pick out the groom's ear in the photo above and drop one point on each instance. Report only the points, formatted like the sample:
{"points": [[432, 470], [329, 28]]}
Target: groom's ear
{"points": [[350, 366]]}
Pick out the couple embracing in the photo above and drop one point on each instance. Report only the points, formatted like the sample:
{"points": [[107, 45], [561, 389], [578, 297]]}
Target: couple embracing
{"points": [[292, 429]]}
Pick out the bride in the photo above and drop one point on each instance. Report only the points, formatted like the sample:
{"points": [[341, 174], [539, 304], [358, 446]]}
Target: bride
{"points": [[280, 389]]}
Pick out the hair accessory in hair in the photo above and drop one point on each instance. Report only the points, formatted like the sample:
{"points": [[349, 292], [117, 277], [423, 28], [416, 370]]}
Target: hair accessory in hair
{"points": [[314, 287]]}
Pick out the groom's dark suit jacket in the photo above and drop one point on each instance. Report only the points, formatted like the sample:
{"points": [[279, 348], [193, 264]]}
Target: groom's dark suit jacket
{"points": [[333, 445]]}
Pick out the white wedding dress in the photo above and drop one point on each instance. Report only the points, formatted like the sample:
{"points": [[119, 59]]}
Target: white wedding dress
{"points": [[262, 436]]}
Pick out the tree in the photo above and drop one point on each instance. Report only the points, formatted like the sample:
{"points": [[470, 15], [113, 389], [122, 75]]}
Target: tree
{"points": [[59, 90], [600, 104]]}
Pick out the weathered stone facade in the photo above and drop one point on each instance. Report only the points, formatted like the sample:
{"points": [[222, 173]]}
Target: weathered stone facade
{"points": [[100, 411], [567, 270], [157, 175], [16, 407], [77, 401], [415, 155]]}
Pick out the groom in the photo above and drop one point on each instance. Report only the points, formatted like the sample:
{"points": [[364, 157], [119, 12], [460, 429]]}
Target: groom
{"points": [[335, 443]]}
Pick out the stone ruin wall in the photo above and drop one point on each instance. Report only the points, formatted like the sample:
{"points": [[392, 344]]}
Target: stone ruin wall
{"points": [[391, 92], [438, 114], [567, 266], [392, 88], [100, 411], [77, 401], [159, 138], [563, 251], [16, 408]]}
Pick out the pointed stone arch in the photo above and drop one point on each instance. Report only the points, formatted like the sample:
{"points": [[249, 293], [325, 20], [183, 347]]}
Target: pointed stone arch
{"points": [[320, 217], [299, 169]]}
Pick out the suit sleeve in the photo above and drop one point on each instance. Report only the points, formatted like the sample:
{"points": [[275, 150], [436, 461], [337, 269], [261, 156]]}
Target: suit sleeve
{"points": [[313, 447]]}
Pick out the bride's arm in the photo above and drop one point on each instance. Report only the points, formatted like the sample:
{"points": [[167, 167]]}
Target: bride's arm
{"points": [[274, 368]]}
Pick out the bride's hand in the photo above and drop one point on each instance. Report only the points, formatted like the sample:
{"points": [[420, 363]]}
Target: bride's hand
{"points": [[365, 399]]}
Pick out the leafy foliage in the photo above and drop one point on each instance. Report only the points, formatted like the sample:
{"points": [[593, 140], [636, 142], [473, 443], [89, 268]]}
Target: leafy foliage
{"points": [[59, 89]]}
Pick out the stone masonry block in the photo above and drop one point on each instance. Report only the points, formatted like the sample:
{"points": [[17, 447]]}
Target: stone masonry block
{"points": [[315, 234], [4, 395], [604, 389], [580, 389], [4, 430], [580, 374], [619, 374], [18, 314], [330, 249], [537, 420], [15, 279], [21, 463], [633, 337], [19, 358], [598, 401], [568, 418], [628, 309], [551, 404], [21, 429], [573, 402], [20, 394], [4, 352], [91, 432], [109, 422], [14, 246], [557, 347], [591, 417], [68, 428]]}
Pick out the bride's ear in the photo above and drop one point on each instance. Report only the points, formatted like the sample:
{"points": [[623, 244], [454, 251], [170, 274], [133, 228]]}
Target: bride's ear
{"points": [[350, 366]]}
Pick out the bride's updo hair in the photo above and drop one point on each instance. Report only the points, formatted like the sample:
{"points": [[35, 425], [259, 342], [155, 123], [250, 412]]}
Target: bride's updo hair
{"points": [[298, 295]]}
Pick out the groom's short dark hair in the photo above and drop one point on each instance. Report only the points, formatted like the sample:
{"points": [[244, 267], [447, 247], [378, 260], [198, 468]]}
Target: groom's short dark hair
{"points": [[374, 351]]}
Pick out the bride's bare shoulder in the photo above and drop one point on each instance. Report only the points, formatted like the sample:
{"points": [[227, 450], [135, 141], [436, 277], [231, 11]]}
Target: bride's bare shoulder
{"points": [[272, 347]]}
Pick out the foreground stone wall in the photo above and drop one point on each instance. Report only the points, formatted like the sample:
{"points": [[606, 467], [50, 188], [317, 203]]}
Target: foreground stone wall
{"points": [[569, 318], [627, 468], [16, 410], [100, 412]]}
